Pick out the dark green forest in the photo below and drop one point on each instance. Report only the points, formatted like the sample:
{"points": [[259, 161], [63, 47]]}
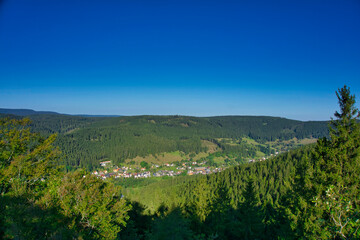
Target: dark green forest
{"points": [[85, 141], [307, 193]]}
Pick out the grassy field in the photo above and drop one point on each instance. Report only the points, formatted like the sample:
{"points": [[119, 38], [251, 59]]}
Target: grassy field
{"points": [[282, 146], [275, 146], [176, 156], [250, 141], [308, 141], [212, 147]]}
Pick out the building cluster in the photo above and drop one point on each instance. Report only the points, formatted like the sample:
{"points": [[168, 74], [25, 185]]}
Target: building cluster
{"points": [[143, 174], [263, 158], [203, 170], [127, 172]]}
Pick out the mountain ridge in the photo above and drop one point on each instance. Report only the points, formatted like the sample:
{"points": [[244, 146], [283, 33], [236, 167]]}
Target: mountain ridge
{"points": [[28, 112]]}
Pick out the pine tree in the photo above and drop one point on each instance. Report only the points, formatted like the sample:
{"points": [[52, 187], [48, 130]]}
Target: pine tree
{"points": [[251, 223], [345, 138], [331, 191]]}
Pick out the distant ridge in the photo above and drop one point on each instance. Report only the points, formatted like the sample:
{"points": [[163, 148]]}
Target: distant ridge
{"points": [[24, 112], [29, 112], [89, 115]]}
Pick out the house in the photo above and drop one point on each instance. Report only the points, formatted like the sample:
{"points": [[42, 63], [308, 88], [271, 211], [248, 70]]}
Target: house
{"points": [[103, 164], [200, 169]]}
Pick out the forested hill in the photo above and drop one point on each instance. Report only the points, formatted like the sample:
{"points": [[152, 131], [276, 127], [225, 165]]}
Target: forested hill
{"points": [[87, 140], [256, 127]]}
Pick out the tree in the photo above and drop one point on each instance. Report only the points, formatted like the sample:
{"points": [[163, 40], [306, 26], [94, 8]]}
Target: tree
{"points": [[96, 206], [37, 201], [329, 199], [27, 164], [345, 139], [251, 220], [170, 225], [338, 170], [144, 164], [26, 159]]}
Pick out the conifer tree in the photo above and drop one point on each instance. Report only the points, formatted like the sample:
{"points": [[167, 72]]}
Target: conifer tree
{"points": [[338, 171], [251, 226], [329, 198]]}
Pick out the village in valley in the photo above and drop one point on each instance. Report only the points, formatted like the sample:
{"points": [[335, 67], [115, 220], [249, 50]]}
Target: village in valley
{"points": [[191, 164], [155, 170], [190, 167]]}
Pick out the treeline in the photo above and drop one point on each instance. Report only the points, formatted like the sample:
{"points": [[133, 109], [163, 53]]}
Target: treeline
{"points": [[47, 124]]}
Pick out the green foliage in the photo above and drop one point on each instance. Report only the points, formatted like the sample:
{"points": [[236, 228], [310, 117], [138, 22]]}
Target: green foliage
{"points": [[37, 201], [329, 205], [170, 225], [344, 218], [96, 206], [27, 163], [47, 124], [26, 159], [144, 164]]}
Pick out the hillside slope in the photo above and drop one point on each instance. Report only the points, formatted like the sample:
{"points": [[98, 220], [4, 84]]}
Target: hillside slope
{"points": [[85, 141], [121, 138]]}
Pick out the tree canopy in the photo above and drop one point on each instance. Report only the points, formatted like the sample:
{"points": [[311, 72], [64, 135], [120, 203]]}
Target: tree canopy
{"points": [[38, 201]]}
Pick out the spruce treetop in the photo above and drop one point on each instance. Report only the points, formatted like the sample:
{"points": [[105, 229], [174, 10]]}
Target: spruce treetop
{"points": [[346, 122]]}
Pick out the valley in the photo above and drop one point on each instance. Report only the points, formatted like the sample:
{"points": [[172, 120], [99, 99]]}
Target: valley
{"points": [[224, 177], [86, 141], [177, 163]]}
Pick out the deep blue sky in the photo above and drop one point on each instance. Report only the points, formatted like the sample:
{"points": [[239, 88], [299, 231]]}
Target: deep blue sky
{"points": [[200, 58]]}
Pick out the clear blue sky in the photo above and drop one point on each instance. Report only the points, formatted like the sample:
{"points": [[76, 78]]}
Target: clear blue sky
{"points": [[201, 58]]}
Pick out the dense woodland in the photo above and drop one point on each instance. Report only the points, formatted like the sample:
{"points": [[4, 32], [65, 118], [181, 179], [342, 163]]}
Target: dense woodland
{"points": [[308, 193], [85, 141]]}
